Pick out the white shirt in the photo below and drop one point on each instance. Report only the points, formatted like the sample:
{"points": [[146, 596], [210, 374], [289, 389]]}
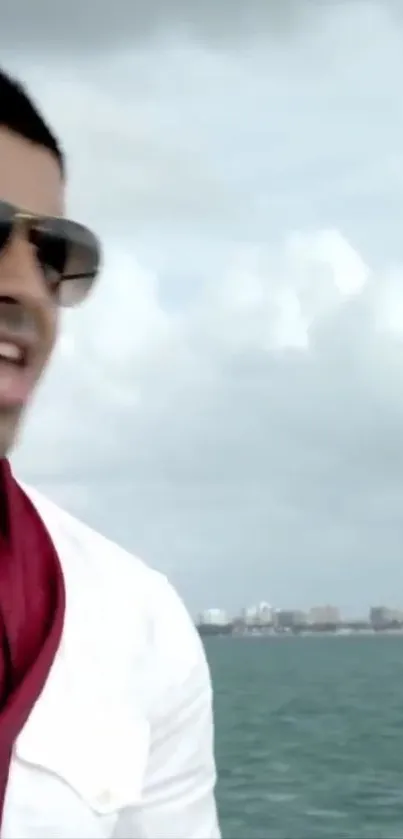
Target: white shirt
{"points": [[120, 742]]}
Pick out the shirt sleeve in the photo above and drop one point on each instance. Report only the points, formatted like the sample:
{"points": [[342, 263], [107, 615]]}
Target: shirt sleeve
{"points": [[178, 799]]}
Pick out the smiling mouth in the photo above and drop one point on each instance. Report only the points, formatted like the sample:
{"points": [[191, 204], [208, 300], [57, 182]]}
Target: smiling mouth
{"points": [[17, 375], [13, 353]]}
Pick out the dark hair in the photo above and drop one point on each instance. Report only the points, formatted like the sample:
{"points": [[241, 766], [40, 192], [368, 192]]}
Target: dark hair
{"points": [[19, 113]]}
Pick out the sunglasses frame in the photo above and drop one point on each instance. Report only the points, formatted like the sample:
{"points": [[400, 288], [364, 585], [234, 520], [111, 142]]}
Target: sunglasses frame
{"points": [[25, 222]]}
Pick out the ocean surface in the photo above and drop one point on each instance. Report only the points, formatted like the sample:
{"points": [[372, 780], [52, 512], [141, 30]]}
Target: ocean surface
{"points": [[309, 737]]}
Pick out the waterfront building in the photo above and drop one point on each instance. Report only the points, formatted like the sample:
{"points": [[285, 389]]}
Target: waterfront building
{"points": [[260, 615], [213, 617], [290, 618], [383, 616], [324, 616]]}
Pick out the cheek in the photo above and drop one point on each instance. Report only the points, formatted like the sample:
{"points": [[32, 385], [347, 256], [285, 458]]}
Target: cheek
{"points": [[54, 319], [50, 329]]}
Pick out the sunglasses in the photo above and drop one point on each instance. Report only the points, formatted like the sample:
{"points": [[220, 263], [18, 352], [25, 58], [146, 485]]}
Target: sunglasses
{"points": [[68, 253]]}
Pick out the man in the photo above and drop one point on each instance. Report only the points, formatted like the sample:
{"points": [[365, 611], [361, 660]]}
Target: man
{"points": [[105, 696]]}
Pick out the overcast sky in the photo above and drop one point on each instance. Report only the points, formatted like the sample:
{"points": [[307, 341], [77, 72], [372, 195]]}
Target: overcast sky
{"points": [[229, 404]]}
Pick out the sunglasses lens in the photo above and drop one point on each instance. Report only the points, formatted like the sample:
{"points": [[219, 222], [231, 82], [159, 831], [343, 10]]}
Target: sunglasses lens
{"points": [[7, 213], [71, 252]]}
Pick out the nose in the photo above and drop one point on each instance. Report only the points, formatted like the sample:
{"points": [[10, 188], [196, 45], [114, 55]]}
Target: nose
{"points": [[21, 276]]}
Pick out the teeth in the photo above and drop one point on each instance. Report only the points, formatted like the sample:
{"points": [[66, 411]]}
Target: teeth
{"points": [[10, 351]]}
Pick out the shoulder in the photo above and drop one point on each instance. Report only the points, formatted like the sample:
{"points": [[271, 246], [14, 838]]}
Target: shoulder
{"points": [[158, 676], [132, 592]]}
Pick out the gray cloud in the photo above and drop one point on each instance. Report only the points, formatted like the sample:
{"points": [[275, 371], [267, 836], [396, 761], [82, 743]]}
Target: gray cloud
{"points": [[229, 402], [77, 27], [239, 462]]}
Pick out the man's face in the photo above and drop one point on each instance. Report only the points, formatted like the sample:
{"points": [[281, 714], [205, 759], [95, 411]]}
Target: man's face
{"points": [[31, 180]]}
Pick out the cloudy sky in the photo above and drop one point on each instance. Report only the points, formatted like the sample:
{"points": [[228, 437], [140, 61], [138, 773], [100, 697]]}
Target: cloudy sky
{"points": [[230, 402]]}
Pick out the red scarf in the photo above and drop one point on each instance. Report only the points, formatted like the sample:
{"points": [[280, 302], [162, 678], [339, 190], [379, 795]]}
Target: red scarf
{"points": [[32, 602]]}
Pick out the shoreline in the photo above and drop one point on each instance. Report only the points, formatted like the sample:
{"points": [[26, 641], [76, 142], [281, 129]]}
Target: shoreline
{"points": [[359, 633]]}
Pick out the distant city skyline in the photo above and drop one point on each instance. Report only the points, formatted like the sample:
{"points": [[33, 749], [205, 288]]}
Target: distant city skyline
{"points": [[321, 618], [314, 613]]}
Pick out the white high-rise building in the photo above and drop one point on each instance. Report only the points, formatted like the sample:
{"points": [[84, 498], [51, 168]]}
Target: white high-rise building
{"points": [[261, 615], [265, 613], [213, 617]]}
